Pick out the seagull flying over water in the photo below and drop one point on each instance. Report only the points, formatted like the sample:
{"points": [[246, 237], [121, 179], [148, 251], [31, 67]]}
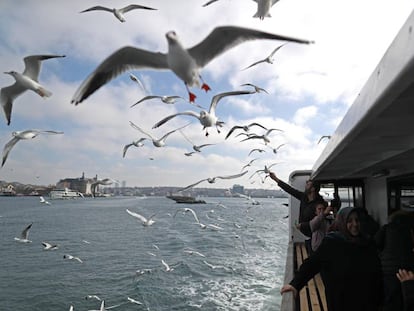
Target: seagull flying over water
{"points": [[28, 80], [42, 200], [206, 118], [47, 246], [145, 222], [185, 63], [186, 210], [257, 89], [24, 237], [165, 99], [70, 257], [196, 148], [18, 135], [118, 13], [156, 142], [265, 136], [213, 179]]}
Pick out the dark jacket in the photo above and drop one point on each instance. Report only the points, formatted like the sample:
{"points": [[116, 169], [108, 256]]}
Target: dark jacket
{"points": [[408, 295], [395, 241], [350, 269], [307, 209]]}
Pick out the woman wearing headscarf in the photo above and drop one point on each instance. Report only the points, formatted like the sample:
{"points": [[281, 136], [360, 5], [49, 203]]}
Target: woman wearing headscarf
{"points": [[349, 266]]}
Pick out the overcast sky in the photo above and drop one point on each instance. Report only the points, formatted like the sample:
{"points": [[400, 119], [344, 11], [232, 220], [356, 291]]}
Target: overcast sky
{"points": [[310, 87]]}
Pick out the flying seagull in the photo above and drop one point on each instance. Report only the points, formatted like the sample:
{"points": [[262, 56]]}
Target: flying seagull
{"points": [[212, 180], [18, 135], [119, 13], [28, 80], [263, 7], [24, 237], [171, 99], [324, 136], [156, 142], [42, 200], [196, 148], [245, 128], [70, 257], [265, 136], [257, 89], [137, 81], [105, 182], [186, 210], [185, 63], [145, 222], [47, 246], [136, 143], [206, 118], [269, 59]]}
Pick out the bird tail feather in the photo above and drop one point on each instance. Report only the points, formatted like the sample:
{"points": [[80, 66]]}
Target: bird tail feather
{"points": [[43, 92]]}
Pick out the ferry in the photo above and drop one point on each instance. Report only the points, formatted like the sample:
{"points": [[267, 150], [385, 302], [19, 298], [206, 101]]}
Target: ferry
{"points": [[64, 193], [369, 159], [185, 199]]}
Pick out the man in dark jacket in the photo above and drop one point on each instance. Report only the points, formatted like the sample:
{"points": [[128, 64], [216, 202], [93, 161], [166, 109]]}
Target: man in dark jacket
{"points": [[308, 201]]}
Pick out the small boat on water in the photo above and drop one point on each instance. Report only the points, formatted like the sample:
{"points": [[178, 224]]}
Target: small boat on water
{"points": [[185, 199], [65, 193]]}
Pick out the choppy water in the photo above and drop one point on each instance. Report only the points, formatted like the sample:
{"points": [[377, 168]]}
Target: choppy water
{"points": [[251, 246]]}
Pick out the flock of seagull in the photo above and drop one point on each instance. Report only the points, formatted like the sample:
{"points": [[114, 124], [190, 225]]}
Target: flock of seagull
{"points": [[185, 63]]}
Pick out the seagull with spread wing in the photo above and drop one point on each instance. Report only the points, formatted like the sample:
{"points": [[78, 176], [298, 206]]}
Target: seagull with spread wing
{"points": [[24, 237], [28, 80], [265, 136], [156, 142], [145, 222], [184, 63], [245, 128], [212, 180], [137, 143], [196, 148], [118, 13], [263, 7], [269, 59], [19, 135], [206, 118]]}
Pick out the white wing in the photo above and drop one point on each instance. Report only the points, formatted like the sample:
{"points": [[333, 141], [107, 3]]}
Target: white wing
{"points": [[136, 215]]}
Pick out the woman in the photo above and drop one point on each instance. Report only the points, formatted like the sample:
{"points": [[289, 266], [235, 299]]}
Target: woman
{"points": [[349, 265]]}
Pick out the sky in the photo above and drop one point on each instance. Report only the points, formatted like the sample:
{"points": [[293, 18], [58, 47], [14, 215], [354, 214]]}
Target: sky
{"points": [[310, 87]]}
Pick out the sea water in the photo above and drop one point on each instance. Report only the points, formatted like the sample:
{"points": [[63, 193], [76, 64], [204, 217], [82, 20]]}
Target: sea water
{"points": [[247, 246]]}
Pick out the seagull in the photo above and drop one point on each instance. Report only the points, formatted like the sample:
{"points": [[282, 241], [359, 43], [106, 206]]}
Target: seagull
{"points": [[167, 267], [136, 143], [134, 301], [156, 142], [263, 7], [185, 63], [70, 257], [187, 209], [257, 89], [265, 137], [256, 149], [18, 135], [249, 164], [245, 128], [42, 200], [119, 13], [192, 252], [28, 80], [213, 179], [213, 266], [105, 182], [172, 99], [145, 222], [207, 119], [275, 150], [24, 237], [93, 297], [324, 136], [137, 81], [269, 59], [48, 246], [196, 148]]}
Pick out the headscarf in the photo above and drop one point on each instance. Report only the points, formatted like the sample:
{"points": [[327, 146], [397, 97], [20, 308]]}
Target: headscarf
{"points": [[340, 227]]}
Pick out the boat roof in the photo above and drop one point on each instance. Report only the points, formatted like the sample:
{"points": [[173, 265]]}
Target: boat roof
{"points": [[376, 136]]}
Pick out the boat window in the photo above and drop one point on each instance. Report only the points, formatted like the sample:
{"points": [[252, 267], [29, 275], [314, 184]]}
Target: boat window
{"points": [[400, 193], [350, 192]]}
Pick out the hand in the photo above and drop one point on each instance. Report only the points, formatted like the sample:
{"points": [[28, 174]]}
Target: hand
{"points": [[404, 275], [289, 288], [273, 176]]}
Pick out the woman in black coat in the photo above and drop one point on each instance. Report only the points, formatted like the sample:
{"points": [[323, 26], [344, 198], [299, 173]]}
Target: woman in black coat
{"points": [[349, 266]]}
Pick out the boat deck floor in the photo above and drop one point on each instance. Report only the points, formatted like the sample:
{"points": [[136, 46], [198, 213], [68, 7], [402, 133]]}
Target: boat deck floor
{"points": [[312, 296]]}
